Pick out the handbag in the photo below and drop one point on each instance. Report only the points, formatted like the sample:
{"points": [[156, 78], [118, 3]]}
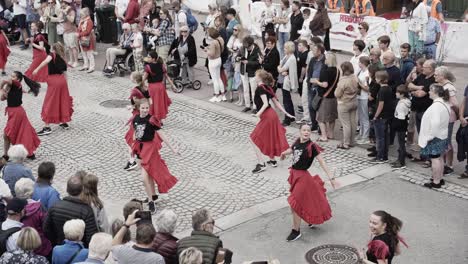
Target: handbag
{"points": [[85, 42], [317, 100]]}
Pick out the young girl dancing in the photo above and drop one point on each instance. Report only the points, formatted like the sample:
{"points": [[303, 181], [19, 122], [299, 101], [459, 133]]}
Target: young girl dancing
{"points": [[137, 93], [58, 104], [18, 129], [148, 139], [307, 199], [40, 51], [269, 136]]}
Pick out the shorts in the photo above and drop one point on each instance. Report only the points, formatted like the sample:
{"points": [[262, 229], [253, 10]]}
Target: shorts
{"points": [[70, 40], [21, 21]]}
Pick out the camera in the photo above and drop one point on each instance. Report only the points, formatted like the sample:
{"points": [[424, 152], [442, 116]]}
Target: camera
{"points": [[145, 217]]}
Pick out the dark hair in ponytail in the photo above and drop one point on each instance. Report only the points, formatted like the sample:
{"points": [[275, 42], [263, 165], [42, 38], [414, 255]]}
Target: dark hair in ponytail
{"points": [[33, 86], [440, 91], [393, 226]]}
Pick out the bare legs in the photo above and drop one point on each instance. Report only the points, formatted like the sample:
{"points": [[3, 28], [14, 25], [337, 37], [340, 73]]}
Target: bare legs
{"points": [[149, 184], [6, 144], [73, 53], [327, 130], [437, 169], [296, 220], [258, 153]]}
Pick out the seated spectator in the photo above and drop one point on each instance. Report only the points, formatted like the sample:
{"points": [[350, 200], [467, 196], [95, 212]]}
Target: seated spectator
{"points": [[90, 196], [99, 248], [191, 256], [34, 215], [13, 225], [124, 45], [164, 242], [28, 241], [142, 250], [15, 169], [72, 249], [71, 207], [202, 237], [362, 8], [184, 50], [43, 190]]}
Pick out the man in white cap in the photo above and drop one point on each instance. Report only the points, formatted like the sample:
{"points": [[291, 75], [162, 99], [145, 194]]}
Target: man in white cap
{"points": [[126, 39]]}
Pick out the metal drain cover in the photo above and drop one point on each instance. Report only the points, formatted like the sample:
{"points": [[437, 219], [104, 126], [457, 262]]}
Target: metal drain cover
{"points": [[332, 254], [115, 103]]}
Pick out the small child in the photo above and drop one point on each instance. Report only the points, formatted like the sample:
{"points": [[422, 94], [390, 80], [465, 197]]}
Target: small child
{"points": [[305, 31], [400, 124], [153, 38], [137, 47]]}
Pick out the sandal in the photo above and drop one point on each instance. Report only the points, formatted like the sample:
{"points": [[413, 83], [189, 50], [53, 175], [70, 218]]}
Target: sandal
{"points": [[416, 159], [342, 146], [426, 165], [322, 140]]}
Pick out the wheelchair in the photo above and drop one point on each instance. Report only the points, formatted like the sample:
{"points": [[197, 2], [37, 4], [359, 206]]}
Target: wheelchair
{"points": [[122, 64], [178, 72]]}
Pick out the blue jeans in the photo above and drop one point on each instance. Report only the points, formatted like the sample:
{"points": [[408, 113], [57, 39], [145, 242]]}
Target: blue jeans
{"points": [[283, 37], [430, 51], [416, 44], [119, 29], [381, 138], [419, 116], [311, 92]]}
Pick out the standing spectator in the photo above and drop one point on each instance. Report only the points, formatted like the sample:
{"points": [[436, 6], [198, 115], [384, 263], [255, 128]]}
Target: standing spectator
{"points": [[214, 51], [119, 11], [271, 58], [249, 59], [133, 12], [400, 124], [69, 32], [382, 116], [19, 10], [433, 136], [137, 47], [328, 111], [362, 8], [394, 77], [375, 55], [191, 255], [71, 207], [99, 249], [234, 78], [435, 8], [165, 34], [346, 95], [15, 169], [384, 45], [417, 27], [305, 31], [374, 89], [91, 5], [432, 38], [51, 20], [335, 6], [288, 79], [164, 242], [202, 237], [313, 74], [87, 40], [90, 196], [406, 62], [72, 250], [320, 24], [358, 48], [43, 190], [231, 17], [364, 36], [296, 20], [28, 241], [463, 116], [267, 18], [180, 17], [12, 225], [302, 54], [142, 250], [284, 25], [417, 70], [363, 100], [34, 215]]}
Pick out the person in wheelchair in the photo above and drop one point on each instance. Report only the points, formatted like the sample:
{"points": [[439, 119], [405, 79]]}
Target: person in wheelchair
{"points": [[184, 51], [124, 48]]}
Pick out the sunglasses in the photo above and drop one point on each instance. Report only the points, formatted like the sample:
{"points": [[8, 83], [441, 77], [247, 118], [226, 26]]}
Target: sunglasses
{"points": [[235, 29], [183, 31], [360, 28]]}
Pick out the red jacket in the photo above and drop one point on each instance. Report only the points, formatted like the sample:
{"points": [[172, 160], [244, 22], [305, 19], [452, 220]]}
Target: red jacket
{"points": [[133, 12]]}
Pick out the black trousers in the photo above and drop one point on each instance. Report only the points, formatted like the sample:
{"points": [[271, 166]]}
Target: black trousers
{"points": [[288, 105], [401, 135]]}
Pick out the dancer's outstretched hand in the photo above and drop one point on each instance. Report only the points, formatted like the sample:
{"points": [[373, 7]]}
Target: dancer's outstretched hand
{"points": [[291, 116], [335, 184]]}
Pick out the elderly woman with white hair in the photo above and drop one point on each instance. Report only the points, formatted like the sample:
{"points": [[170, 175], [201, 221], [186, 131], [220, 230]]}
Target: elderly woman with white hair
{"points": [[35, 214], [72, 249], [183, 49], [99, 248], [28, 241], [15, 169], [164, 243], [87, 40], [191, 255]]}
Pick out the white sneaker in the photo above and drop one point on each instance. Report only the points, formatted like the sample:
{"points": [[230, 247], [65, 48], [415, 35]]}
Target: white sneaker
{"points": [[213, 99], [223, 98], [75, 64], [302, 120], [210, 82], [218, 99], [364, 141]]}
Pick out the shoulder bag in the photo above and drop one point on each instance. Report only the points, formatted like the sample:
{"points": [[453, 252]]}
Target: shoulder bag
{"points": [[317, 101]]}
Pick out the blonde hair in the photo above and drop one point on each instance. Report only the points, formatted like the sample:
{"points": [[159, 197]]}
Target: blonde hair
{"points": [[28, 239], [330, 60], [137, 77], [191, 255], [289, 47]]}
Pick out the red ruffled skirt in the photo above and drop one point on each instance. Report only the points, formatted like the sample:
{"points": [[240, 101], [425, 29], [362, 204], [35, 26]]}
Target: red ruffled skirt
{"points": [[4, 51], [308, 197], [58, 104], [154, 165], [19, 130], [269, 135], [38, 57], [161, 100]]}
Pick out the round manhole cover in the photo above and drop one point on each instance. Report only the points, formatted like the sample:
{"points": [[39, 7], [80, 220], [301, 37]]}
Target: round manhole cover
{"points": [[332, 254], [115, 103]]}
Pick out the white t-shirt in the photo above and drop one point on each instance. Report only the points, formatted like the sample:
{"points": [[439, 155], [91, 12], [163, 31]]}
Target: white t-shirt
{"points": [[181, 19], [305, 31], [355, 62], [121, 6], [20, 7], [138, 41], [363, 77], [285, 27]]}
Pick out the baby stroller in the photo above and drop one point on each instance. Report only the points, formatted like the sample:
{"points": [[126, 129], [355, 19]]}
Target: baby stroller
{"points": [[8, 26], [178, 72]]}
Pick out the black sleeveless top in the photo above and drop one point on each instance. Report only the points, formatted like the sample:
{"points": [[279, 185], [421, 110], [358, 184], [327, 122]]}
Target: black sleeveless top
{"points": [[381, 248], [42, 37], [57, 65], [155, 72], [15, 95]]}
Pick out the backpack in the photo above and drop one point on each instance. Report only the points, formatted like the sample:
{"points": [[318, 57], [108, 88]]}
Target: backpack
{"points": [[4, 235], [192, 22]]}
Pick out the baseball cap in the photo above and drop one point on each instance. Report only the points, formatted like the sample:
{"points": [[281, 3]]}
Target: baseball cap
{"points": [[16, 205]]}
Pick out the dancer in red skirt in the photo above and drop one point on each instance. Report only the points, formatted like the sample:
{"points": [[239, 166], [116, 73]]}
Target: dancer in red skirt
{"points": [[148, 139], [40, 51], [155, 72], [137, 93], [269, 136], [18, 129], [307, 199], [4, 50], [58, 104]]}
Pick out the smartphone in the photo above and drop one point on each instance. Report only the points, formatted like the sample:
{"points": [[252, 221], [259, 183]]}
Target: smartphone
{"points": [[145, 216]]}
